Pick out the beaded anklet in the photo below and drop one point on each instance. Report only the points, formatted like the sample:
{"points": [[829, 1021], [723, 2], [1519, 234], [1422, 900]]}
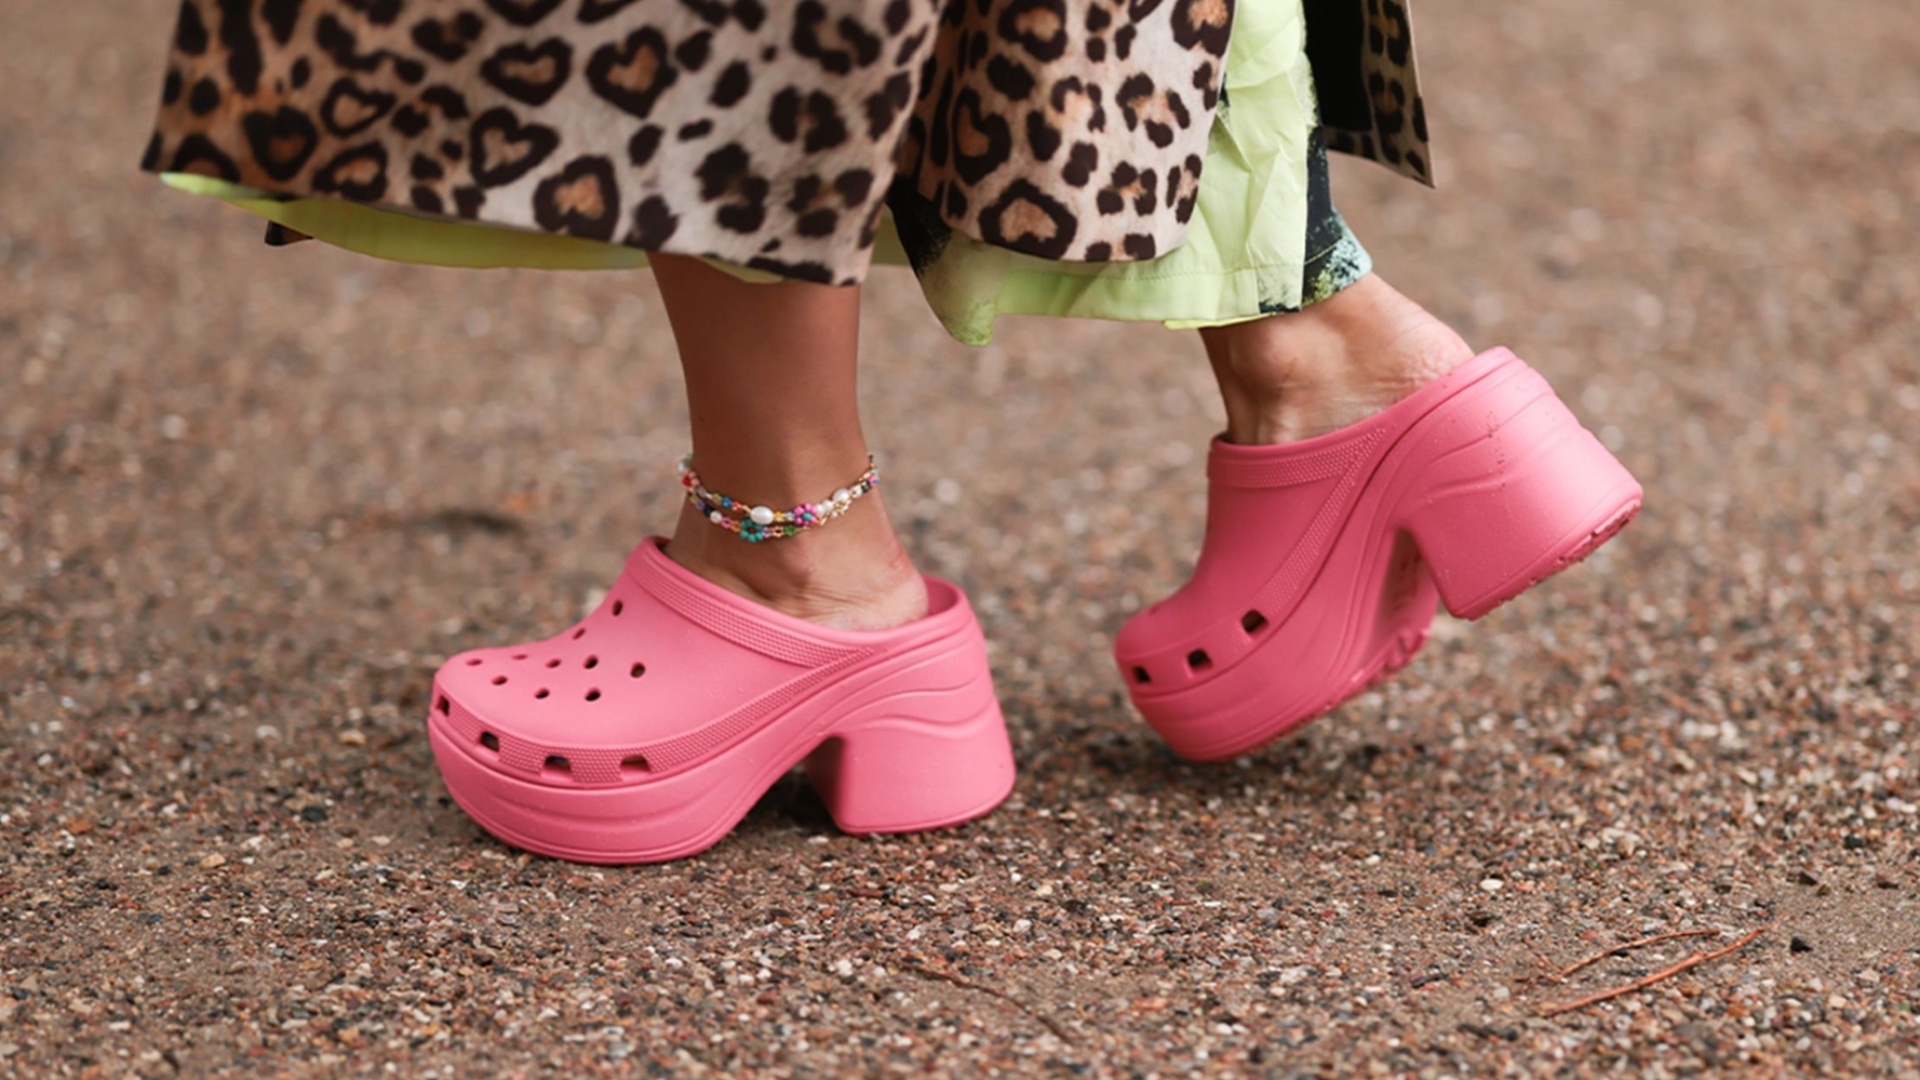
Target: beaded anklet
{"points": [[756, 523]]}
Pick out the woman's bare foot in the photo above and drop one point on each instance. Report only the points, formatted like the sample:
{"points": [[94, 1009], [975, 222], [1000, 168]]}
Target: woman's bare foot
{"points": [[775, 420], [1294, 376], [851, 574]]}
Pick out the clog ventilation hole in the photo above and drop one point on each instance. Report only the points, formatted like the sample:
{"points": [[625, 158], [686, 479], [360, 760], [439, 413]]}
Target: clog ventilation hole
{"points": [[1199, 659], [632, 764]]}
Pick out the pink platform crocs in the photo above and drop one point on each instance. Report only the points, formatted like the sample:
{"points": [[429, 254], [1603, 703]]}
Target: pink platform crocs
{"points": [[1324, 558], [647, 731]]}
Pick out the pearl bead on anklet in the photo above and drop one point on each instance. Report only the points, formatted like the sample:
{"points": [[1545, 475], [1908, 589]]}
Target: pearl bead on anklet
{"points": [[756, 523]]}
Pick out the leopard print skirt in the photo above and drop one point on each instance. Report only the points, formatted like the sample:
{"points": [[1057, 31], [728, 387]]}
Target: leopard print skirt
{"points": [[759, 133]]}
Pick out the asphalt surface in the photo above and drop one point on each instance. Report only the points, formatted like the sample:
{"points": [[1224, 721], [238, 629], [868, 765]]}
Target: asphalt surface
{"points": [[250, 498]]}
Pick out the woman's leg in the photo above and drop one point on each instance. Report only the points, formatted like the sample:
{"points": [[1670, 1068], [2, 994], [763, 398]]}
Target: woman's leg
{"points": [[770, 372], [644, 731], [1306, 373]]}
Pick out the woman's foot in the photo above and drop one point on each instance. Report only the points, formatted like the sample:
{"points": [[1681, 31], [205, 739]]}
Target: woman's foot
{"points": [[1323, 560], [646, 730], [775, 419], [851, 574], [1299, 375]]}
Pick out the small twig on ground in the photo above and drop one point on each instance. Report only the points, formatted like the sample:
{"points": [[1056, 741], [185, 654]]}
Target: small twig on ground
{"points": [[1618, 949], [1545, 965], [1642, 983], [968, 984]]}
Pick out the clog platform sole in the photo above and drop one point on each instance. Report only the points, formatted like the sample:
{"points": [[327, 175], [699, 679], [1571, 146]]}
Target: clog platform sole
{"points": [[1325, 560], [646, 732]]}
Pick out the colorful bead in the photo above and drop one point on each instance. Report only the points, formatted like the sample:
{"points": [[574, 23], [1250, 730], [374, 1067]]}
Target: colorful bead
{"points": [[754, 523]]}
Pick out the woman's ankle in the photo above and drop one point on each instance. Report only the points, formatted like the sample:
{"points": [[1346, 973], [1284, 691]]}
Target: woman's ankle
{"points": [[1299, 375], [851, 574]]}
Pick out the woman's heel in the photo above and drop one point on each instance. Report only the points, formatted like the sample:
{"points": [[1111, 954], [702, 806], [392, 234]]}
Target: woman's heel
{"points": [[903, 773], [1517, 491]]}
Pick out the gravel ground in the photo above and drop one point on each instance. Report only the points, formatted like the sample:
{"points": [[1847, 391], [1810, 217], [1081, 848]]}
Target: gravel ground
{"points": [[249, 499]]}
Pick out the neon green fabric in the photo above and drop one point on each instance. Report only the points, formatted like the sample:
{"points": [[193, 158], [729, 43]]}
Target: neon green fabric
{"points": [[423, 239], [1245, 253]]}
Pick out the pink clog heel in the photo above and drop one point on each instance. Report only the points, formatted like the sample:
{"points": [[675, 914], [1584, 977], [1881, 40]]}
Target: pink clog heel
{"points": [[1324, 559], [648, 730]]}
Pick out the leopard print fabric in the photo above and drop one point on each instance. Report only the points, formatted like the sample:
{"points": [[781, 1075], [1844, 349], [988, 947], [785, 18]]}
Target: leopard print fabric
{"points": [[1069, 130], [762, 132], [1367, 83]]}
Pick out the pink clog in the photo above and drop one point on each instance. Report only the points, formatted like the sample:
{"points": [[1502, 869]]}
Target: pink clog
{"points": [[647, 731], [1323, 559]]}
